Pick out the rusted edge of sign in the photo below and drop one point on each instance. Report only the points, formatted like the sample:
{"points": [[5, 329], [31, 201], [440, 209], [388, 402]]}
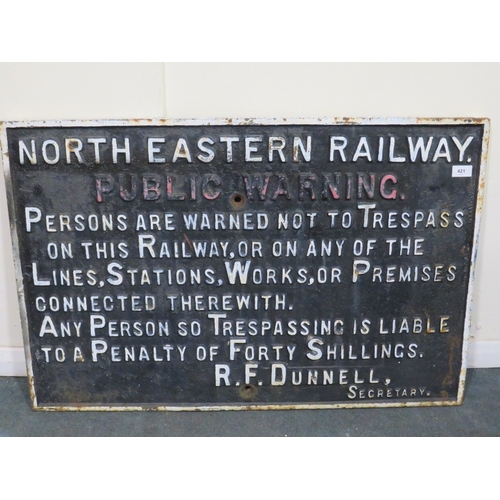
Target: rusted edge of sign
{"points": [[164, 122], [477, 223], [13, 216]]}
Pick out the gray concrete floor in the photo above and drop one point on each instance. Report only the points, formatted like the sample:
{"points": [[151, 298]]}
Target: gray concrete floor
{"points": [[478, 416]]}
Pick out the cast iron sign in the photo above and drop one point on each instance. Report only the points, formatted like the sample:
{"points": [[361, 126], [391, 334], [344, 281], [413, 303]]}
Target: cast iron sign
{"points": [[236, 264]]}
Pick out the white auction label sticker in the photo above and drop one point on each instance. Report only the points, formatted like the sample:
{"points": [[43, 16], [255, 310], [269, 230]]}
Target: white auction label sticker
{"points": [[461, 171]]}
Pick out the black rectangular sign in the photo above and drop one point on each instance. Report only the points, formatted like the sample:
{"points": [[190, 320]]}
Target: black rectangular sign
{"points": [[235, 264]]}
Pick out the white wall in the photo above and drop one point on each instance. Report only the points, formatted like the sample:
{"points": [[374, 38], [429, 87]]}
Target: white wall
{"points": [[194, 90]]}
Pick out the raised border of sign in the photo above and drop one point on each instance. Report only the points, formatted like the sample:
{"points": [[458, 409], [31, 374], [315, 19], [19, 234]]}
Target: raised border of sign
{"points": [[242, 121]]}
